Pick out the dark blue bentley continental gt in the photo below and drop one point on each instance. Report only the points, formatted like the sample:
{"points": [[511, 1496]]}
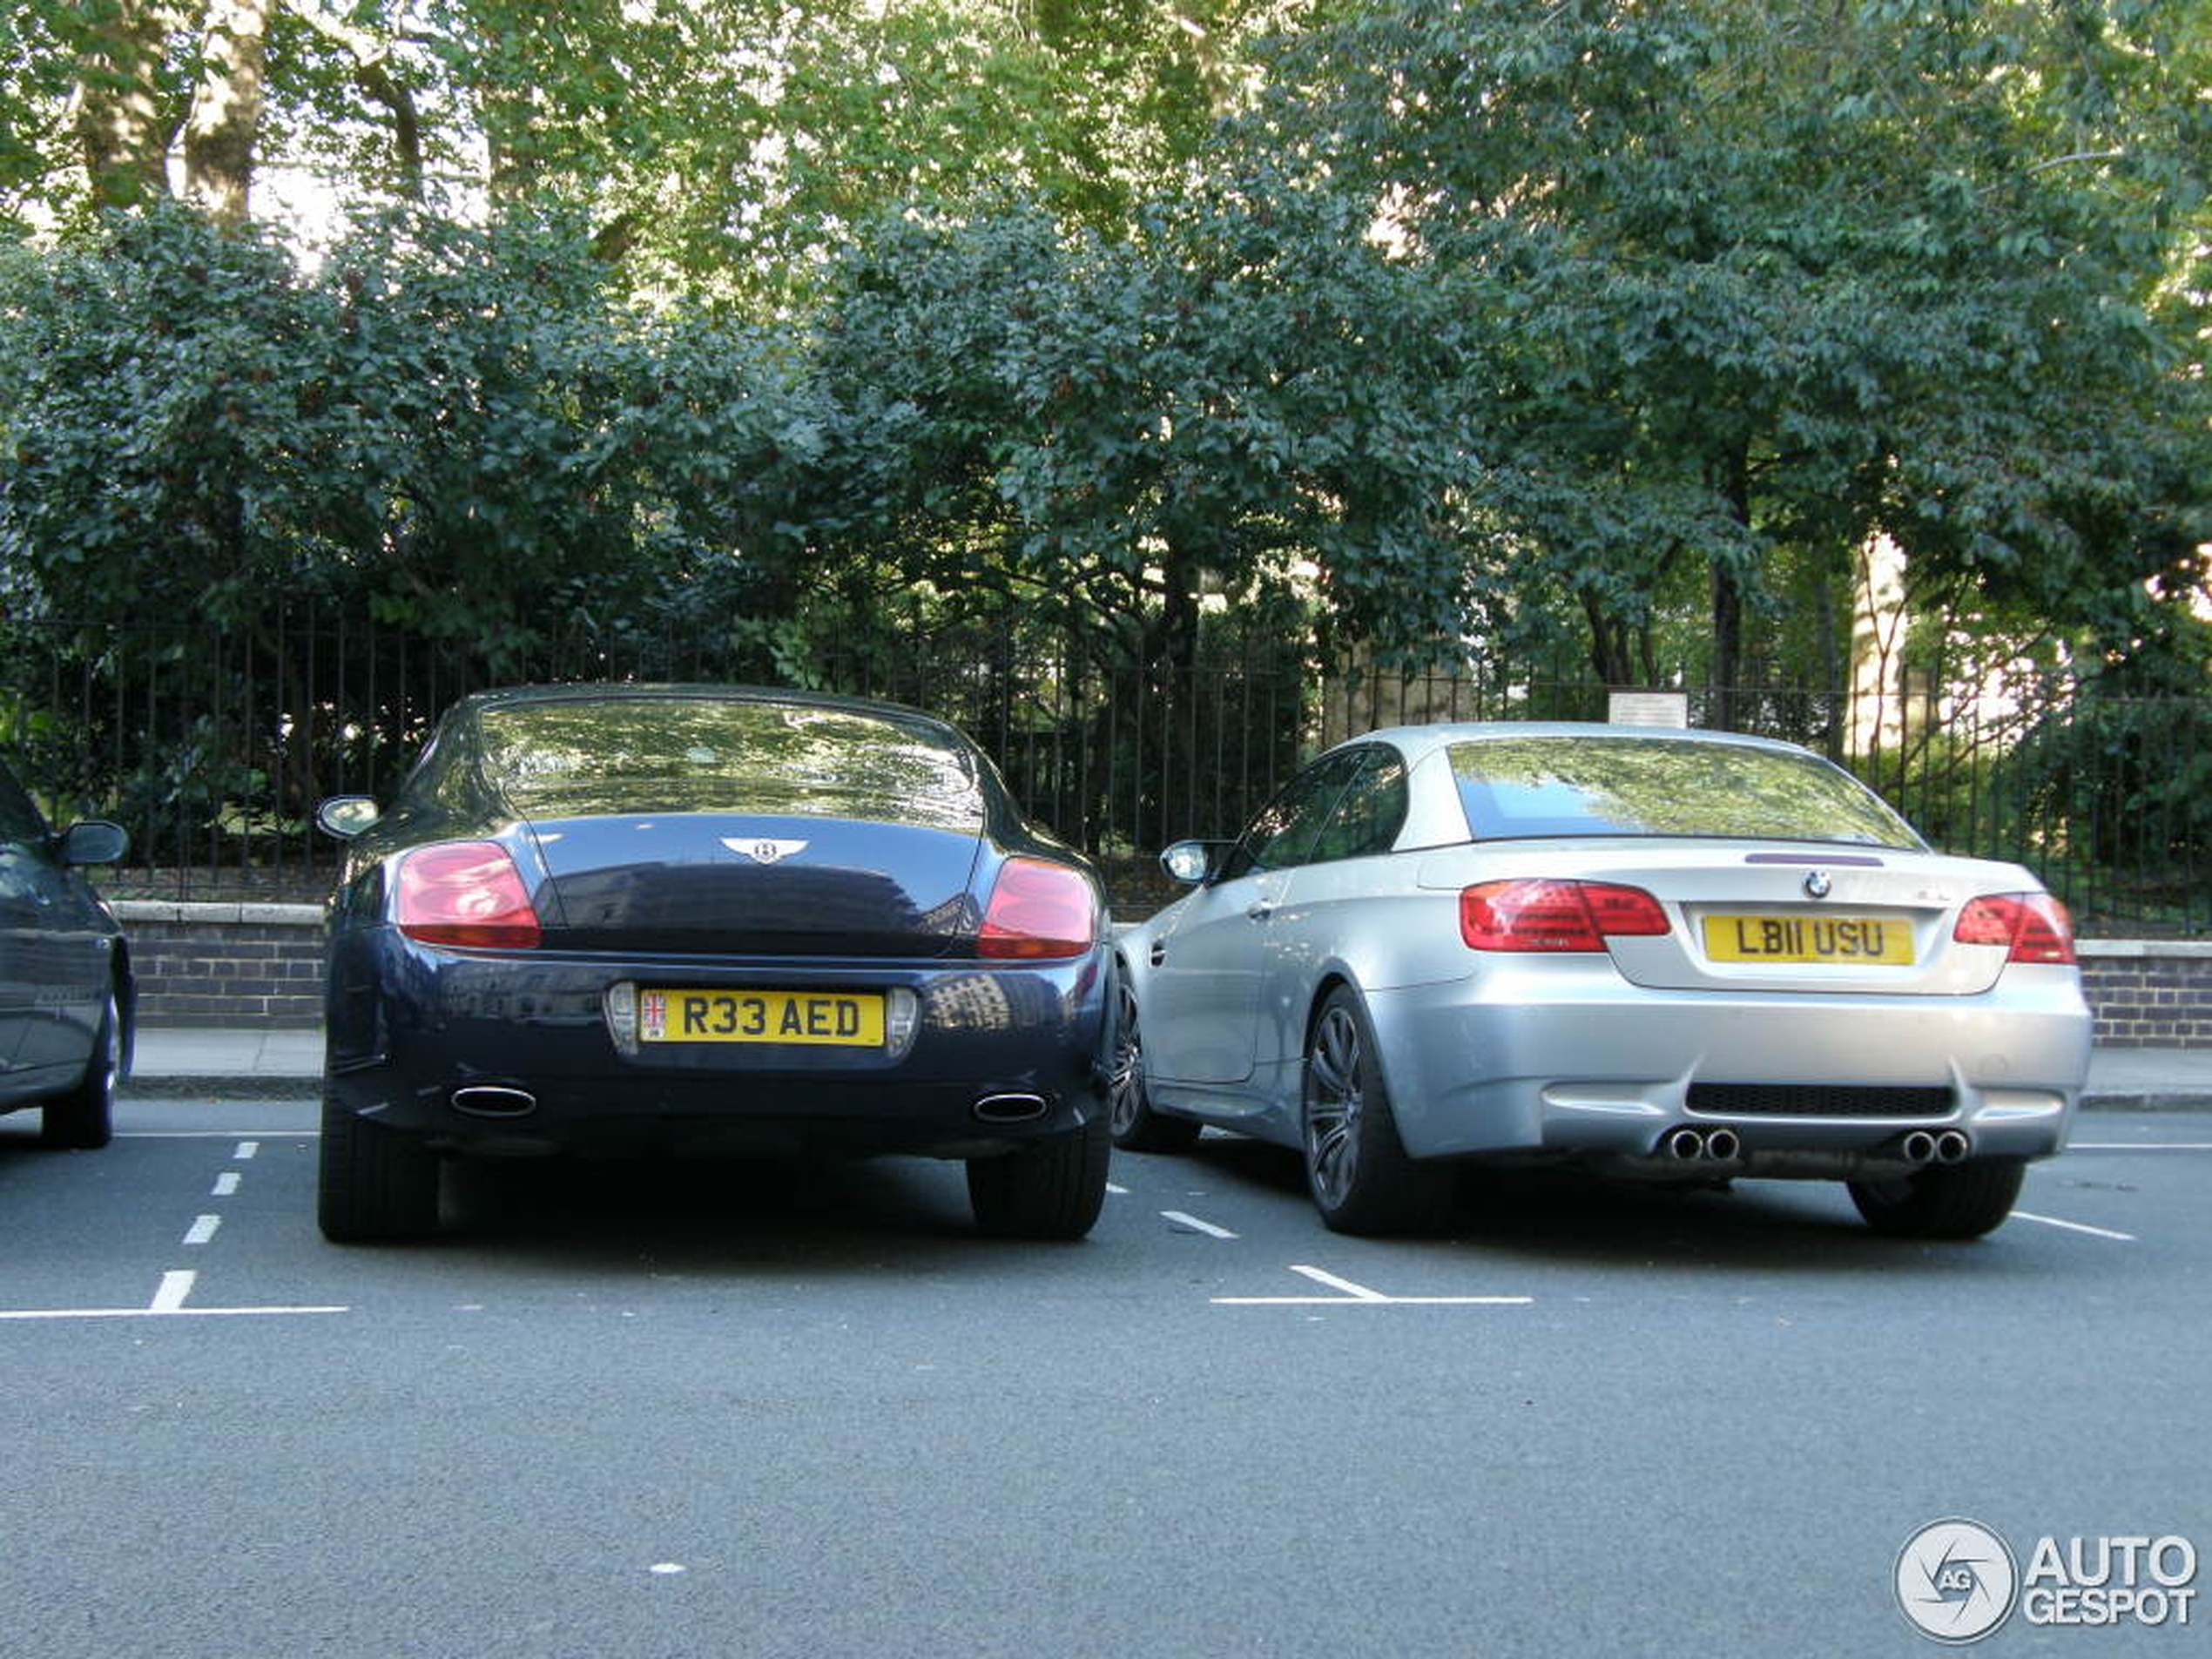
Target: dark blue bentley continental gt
{"points": [[708, 919]]}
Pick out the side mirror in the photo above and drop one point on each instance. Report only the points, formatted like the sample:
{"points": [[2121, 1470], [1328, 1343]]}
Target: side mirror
{"points": [[346, 816], [94, 841], [1188, 861]]}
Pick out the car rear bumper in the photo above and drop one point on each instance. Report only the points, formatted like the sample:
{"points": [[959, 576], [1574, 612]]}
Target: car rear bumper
{"points": [[413, 1030], [1545, 1061]]}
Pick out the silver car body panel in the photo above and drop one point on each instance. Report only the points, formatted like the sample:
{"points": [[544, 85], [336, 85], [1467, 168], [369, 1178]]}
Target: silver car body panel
{"points": [[1597, 1053]]}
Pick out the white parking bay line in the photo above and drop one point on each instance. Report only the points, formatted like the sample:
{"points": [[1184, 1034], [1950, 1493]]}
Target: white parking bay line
{"points": [[168, 1303], [1197, 1225], [1360, 1291], [202, 1230], [1359, 1296], [2076, 1227]]}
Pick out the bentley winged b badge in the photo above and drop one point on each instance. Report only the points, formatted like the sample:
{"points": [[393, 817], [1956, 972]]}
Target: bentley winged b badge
{"points": [[762, 852]]}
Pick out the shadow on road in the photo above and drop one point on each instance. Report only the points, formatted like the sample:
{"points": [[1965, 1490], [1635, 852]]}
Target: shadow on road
{"points": [[1567, 1216]]}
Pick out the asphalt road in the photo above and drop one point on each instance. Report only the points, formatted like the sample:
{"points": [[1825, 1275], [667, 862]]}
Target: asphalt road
{"points": [[703, 1409]]}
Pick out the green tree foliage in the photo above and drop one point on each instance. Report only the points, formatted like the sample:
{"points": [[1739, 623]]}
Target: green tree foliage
{"points": [[472, 434], [1765, 279], [727, 147], [1108, 428]]}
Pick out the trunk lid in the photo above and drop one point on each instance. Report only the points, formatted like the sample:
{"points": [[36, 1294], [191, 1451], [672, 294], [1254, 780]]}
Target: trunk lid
{"points": [[1775, 917], [759, 884]]}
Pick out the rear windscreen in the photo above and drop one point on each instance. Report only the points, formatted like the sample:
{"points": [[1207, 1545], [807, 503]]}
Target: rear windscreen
{"points": [[1599, 785], [698, 754]]}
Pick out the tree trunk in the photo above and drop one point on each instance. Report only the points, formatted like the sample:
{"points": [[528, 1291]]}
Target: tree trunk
{"points": [[1728, 645], [123, 131], [1170, 649], [1609, 642], [1727, 596], [226, 109]]}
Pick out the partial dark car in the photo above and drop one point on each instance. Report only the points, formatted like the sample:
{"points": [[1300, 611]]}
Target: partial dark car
{"points": [[66, 996], [608, 919]]}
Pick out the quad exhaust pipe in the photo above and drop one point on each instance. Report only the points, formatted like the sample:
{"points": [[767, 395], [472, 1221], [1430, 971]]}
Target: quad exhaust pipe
{"points": [[1689, 1145]]}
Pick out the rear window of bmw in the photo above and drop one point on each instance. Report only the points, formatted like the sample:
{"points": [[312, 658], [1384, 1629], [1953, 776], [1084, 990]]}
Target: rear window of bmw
{"points": [[1559, 785], [560, 758]]}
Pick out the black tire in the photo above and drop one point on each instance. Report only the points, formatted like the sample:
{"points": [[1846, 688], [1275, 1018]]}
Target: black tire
{"points": [[1947, 1200], [83, 1119], [1130, 1117], [1356, 1167], [1053, 1190], [373, 1186]]}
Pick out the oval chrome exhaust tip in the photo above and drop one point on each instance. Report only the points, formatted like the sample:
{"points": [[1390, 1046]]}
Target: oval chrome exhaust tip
{"points": [[1952, 1146], [1009, 1109], [1918, 1147], [1723, 1144], [1683, 1144], [491, 1100]]}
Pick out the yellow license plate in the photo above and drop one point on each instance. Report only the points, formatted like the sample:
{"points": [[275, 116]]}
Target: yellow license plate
{"points": [[1880, 939], [849, 1019]]}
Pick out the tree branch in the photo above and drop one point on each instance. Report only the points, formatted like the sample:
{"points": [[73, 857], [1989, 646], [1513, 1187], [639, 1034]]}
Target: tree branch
{"points": [[371, 59]]}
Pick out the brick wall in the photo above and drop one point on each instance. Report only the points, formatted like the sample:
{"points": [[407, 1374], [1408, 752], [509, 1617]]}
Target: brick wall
{"points": [[235, 964], [226, 964], [2149, 993]]}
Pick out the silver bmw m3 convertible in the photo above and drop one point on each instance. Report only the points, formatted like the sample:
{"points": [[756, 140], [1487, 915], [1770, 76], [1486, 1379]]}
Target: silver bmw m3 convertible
{"points": [[1684, 955]]}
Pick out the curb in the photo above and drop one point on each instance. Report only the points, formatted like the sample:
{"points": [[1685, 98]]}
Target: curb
{"points": [[2148, 1100], [261, 1086]]}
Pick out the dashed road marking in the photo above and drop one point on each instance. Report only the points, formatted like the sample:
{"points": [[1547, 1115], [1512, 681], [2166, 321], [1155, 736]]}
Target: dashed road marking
{"points": [[1197, 1225], [202, 1229], [226, 1184]]}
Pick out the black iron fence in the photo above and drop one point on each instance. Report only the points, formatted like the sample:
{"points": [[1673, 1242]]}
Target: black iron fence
{"points": [[213, 749]]}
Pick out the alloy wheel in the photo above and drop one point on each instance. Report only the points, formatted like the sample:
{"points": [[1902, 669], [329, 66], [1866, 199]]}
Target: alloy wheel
{"points": [[1332, 1107], [1125, 1081]]}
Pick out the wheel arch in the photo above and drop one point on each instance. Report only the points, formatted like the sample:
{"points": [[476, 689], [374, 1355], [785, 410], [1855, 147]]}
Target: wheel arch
{"points": [[1336, 975], [126, 980]]}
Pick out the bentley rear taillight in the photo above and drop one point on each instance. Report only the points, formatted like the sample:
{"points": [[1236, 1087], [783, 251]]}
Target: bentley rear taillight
{"points": [[1543, 915], [1038, 910], [2032, 926], [464, 892]]}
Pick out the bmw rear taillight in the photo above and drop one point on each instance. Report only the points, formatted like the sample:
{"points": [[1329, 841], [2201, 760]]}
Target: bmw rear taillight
{"points": [[2032, 926], [1037, 910], [1540, 915], [464, 892]]}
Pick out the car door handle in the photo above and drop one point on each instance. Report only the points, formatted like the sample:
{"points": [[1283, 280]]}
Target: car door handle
{"points": [[1159, 952], [1261, 910]]}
